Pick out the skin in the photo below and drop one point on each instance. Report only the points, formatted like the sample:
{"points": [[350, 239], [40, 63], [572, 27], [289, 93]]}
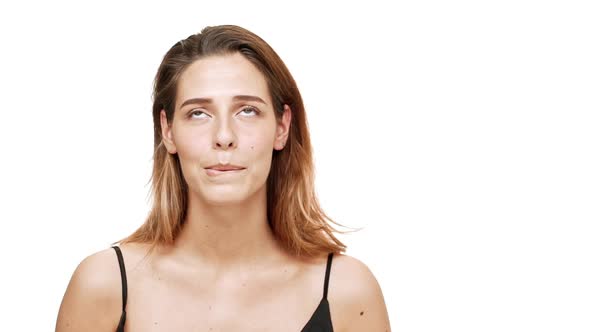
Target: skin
{"points": [[227, 228], [225, 272]]}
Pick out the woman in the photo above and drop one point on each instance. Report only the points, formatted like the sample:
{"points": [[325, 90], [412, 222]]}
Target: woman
{"points": [[235, 240]]}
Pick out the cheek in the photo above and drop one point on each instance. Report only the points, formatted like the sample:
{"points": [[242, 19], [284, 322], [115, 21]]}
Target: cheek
{"points": [[260, 147], [255, 147], [259, 153], [189, 147]]}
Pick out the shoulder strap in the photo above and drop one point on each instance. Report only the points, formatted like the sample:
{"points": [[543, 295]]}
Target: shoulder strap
{"points": [[123, 275], [327, 276]]}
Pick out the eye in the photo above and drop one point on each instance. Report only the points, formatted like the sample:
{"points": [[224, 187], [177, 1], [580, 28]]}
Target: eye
{"points": [[250, 110], [196, 112]]}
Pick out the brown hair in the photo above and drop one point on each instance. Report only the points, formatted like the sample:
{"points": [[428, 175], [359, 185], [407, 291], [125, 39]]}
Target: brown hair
{"points": [[293, 210]]}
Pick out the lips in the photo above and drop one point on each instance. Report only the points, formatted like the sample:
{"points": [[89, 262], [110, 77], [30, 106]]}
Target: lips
{"points": [[220, 167], [214, 172]]}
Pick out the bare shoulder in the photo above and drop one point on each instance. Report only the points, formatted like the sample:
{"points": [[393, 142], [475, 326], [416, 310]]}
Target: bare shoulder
{"points": [[355, 296], [92, 300]]}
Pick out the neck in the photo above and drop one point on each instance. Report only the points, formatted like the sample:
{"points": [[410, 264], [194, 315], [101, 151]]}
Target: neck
{"points": [[228, 237]]}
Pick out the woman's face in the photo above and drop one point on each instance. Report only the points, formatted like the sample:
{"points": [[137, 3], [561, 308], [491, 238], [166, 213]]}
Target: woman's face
{"points": [[213, 125]]}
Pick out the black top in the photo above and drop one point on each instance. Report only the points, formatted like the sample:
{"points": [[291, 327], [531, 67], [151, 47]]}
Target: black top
{"points": [[320, 321]]}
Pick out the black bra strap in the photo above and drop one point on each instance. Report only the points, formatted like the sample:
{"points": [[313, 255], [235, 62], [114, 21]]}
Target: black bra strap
{"points": [[123, 275], [327, 277]]}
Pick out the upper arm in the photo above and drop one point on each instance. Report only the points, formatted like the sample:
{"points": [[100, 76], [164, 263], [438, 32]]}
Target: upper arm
{"points": [[92, 300], [358, 300]]}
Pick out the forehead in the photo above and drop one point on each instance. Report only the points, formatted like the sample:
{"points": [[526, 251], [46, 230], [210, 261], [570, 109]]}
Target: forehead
{"points": [[221, 77]]}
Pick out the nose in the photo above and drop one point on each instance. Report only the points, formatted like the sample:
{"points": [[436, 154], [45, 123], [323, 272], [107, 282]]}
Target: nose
{"points": [[225, 136]]}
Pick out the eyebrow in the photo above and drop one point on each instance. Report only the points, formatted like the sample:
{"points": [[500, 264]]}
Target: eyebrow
{"points": [[210, 101]]}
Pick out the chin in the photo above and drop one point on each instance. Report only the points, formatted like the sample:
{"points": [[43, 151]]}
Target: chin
{"points": [[223, 201], [227, 197]]}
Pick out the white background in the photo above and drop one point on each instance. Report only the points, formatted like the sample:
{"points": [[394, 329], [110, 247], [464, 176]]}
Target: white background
{"points": [[455, 132]]}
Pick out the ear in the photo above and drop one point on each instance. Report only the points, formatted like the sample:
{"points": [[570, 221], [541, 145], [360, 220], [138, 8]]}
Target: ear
{"points": [[282, 133], [167, 137]]}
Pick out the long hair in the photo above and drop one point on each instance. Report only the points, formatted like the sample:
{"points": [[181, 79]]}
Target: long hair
{"points": [[293, 210]]}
